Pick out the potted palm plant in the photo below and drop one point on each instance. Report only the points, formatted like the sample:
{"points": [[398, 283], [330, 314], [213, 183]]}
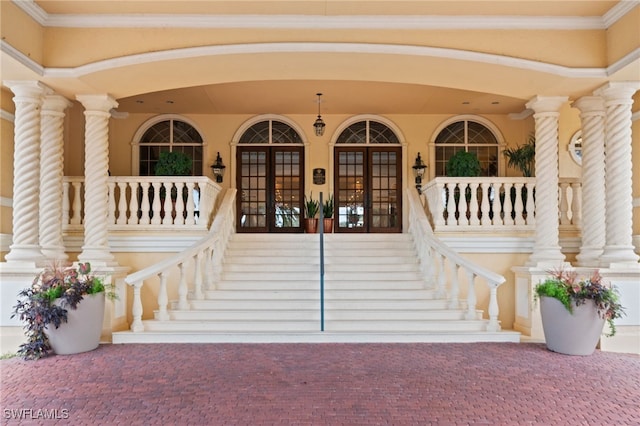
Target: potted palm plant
{"points": [[327, 214], [574, 311], [311, 209], [63, 311]]}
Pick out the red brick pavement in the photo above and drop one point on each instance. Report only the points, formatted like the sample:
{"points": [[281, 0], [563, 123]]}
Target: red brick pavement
{"points": [[318, 384]]}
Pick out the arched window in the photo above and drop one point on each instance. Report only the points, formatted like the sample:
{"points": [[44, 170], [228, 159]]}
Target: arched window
{"points": [[367, 132], [470, 136], [270, 132], [170, 135]]}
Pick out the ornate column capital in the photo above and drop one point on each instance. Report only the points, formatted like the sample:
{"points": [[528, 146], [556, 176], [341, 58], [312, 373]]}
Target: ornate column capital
{"points": [[101, 103], [55, 104], [618, 92], [590, 105], [546, 104]]}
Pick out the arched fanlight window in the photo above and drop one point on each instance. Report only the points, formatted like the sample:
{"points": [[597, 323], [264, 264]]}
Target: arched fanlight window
{"points": [[270, 132], [170, 135], [470, 136], [367, 132]]}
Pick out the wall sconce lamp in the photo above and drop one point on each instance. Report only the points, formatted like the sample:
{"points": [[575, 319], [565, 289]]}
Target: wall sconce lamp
{"points": [[418, 172], [319, 124], [218, 169]]}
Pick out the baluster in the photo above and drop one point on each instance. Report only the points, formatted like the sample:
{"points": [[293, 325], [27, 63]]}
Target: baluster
{"points": [[167, 205], [197, 277], [209, 269], [454, 301], [471, 297], [182, 289], [122, 204], [163, 299], [507, 206], [189, 206], [65, 203], [441, 291], [564, 204], [473, 204], [451, 208], [531, 207], [438, 204], [134, 206], [494, 324], [576, 204], [519, 219], [462, 204], [144, 204], [179, 218], [136, 309], [76, 209], [485, 208], [111, 185], [156, 205]]}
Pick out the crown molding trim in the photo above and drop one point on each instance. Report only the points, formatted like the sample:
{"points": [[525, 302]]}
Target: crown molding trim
{"points": [[383, 49], [327, 22]]}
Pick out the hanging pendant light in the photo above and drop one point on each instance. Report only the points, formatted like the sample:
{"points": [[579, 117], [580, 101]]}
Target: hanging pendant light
{"points": [[319, 124]]}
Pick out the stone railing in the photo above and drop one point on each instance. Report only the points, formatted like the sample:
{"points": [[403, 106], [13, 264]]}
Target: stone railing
{"points": [[442, 266], [492, 203], [146, 203], [198, 267]]}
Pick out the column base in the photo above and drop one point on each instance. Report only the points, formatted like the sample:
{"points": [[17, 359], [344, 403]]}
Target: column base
{"points": [[97, 256], [618, 254], [589, 256], [24, 254]]}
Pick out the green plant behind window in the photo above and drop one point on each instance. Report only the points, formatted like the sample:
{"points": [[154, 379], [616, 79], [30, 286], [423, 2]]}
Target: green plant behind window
{"points": [[174, 163], [522, 157], [463, 164]]}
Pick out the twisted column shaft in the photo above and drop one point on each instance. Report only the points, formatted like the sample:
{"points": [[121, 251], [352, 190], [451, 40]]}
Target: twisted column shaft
{"points": [[547, 247], [592, 115], [51, 176], [26, 172], [96, 167], [618, 97]]}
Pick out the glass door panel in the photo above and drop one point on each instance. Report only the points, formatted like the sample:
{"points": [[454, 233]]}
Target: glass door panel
{"points": [[270, 189], [368, 189]]}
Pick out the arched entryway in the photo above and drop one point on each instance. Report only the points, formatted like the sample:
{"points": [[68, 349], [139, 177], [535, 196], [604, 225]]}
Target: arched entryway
{"points": [[270, 178], [368, 178]]}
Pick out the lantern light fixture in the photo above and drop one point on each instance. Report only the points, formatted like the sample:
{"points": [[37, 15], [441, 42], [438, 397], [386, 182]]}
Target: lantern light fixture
{"points": [[218, 169], [418, 172], [319, 124]]}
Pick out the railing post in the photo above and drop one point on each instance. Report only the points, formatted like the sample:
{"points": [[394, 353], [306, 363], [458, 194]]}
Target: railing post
{"points": [[471, 296], [163, 300], [136, 309], [183, 304], [321, 264], [494, 324], [197, 276]]}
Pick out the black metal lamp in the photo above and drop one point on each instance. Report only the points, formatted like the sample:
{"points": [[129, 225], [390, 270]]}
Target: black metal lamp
{"points": [[218, 169], [319, 124], [418, 172]]}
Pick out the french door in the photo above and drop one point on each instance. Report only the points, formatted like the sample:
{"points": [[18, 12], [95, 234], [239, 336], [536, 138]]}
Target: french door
{"points": [[368, 189], [270, 182]]}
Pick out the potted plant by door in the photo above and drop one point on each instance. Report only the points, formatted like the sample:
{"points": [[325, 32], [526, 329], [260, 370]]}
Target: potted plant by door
{"points": [[574, 311], [63, 311], [327, 214], [311, 208]]}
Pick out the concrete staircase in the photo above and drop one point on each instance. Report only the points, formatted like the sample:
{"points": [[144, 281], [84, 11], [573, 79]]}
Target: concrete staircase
{"points": [[269, 291]]}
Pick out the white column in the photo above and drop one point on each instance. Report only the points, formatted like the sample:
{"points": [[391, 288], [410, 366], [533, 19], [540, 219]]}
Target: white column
{"points": [[546, 250], [25, 248], [592, 114], [96, 170], [51, 176], [618, 97]]}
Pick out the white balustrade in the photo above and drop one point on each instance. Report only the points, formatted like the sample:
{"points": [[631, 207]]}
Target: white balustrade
{"points": [[443, 265], [494, 204], [146, 203], [209, 250]]}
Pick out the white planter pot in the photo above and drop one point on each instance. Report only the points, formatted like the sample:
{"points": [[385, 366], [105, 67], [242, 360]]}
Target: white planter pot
{"points": [[81, 332], [567, 333]]}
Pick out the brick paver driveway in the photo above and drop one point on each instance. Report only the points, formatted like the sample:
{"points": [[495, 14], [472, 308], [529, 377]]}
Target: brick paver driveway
{"points": [[318, 384]]}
